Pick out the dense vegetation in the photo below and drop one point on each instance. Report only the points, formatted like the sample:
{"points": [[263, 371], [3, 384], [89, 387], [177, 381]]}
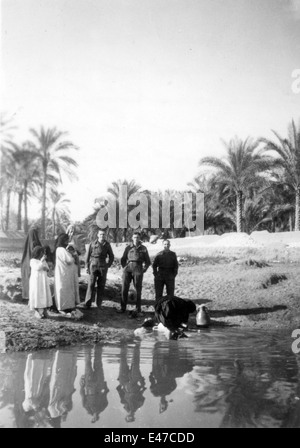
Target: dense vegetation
{"points": [[255, 186]]}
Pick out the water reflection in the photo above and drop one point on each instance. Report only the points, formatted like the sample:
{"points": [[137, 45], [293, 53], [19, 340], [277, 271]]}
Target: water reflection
{"points": [[250, 391], [132, 382], [37, 378], [64, 371], [241, 380], [93, 387], [169, 362], [48, 388], [12, 388]]}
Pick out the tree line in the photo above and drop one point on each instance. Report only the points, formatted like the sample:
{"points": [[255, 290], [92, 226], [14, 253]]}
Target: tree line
{"points": [[255, 186], [35, 168]]}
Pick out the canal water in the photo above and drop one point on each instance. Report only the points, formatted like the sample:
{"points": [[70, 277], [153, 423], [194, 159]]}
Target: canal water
{"points": [[215, 378]]}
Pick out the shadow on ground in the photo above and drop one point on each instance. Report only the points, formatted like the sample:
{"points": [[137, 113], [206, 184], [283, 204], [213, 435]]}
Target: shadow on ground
{"points": [[248, 311], [107, 317]]}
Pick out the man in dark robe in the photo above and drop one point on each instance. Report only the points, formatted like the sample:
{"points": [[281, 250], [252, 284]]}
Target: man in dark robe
{"points": [[31, 242]]}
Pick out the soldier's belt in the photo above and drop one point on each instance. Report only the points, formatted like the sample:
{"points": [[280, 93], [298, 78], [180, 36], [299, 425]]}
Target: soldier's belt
{"points": [[139, 263]]}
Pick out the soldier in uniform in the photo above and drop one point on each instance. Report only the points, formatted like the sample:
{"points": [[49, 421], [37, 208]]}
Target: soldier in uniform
{"points": [[99, 258], [135, 262], [165, 268]]}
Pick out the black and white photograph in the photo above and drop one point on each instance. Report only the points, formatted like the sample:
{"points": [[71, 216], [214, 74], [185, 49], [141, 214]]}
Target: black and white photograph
{"points": [[149, 216]]}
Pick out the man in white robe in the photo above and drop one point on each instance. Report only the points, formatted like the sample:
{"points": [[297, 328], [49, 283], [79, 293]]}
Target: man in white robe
{"points": [[65, 277]]}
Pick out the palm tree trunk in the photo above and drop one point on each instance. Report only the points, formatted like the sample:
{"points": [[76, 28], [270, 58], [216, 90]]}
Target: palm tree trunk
{"points": [[44, 203], [58, 223], [290, 221], [19, 219], [297, 211], [7, 209], [2, 211], [53, 223], [25, 208], [239, 215]]}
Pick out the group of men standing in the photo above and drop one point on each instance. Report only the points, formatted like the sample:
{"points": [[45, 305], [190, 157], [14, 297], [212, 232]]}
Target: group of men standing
{"points": [[135, 262]]}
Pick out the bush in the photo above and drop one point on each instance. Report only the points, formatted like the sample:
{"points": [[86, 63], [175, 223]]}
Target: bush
{"points": [[257, 264], [10, 259], [273, 280]]}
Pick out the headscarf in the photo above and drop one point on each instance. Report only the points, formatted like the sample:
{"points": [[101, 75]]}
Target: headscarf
{"points": [[62, 240], [32, 241], [73, 238], [37, 252], [49, 254]]}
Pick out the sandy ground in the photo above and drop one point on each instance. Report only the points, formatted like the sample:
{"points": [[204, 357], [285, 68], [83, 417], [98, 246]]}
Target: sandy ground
{"points": [[236, 292]]}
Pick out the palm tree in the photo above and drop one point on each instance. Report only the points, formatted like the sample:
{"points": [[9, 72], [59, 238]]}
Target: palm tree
{"points": [[6, 172], [7, 181], [257, 213], [58, 209], [174, 212], [51, 152], [131, 186], [6, 126], [26, 177], [239, 172], [217, 218], [281, 203], [288, 150], [115, 190]]}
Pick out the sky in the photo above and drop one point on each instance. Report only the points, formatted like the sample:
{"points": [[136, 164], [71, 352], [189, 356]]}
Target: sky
{"points": [[146, 88]]}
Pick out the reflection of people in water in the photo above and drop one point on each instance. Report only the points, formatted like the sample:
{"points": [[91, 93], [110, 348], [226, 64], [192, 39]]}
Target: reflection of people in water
{"points": [[93, 387], [36, 380], [132, 383], [63, 376], [169, 362], [36, 388]]}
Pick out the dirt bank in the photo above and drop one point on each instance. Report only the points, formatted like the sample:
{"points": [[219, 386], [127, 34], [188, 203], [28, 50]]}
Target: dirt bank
{"points": [[237, 292]]}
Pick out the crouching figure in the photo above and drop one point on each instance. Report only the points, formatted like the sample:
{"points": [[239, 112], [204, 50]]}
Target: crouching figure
{"points": [[172, 315]]}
